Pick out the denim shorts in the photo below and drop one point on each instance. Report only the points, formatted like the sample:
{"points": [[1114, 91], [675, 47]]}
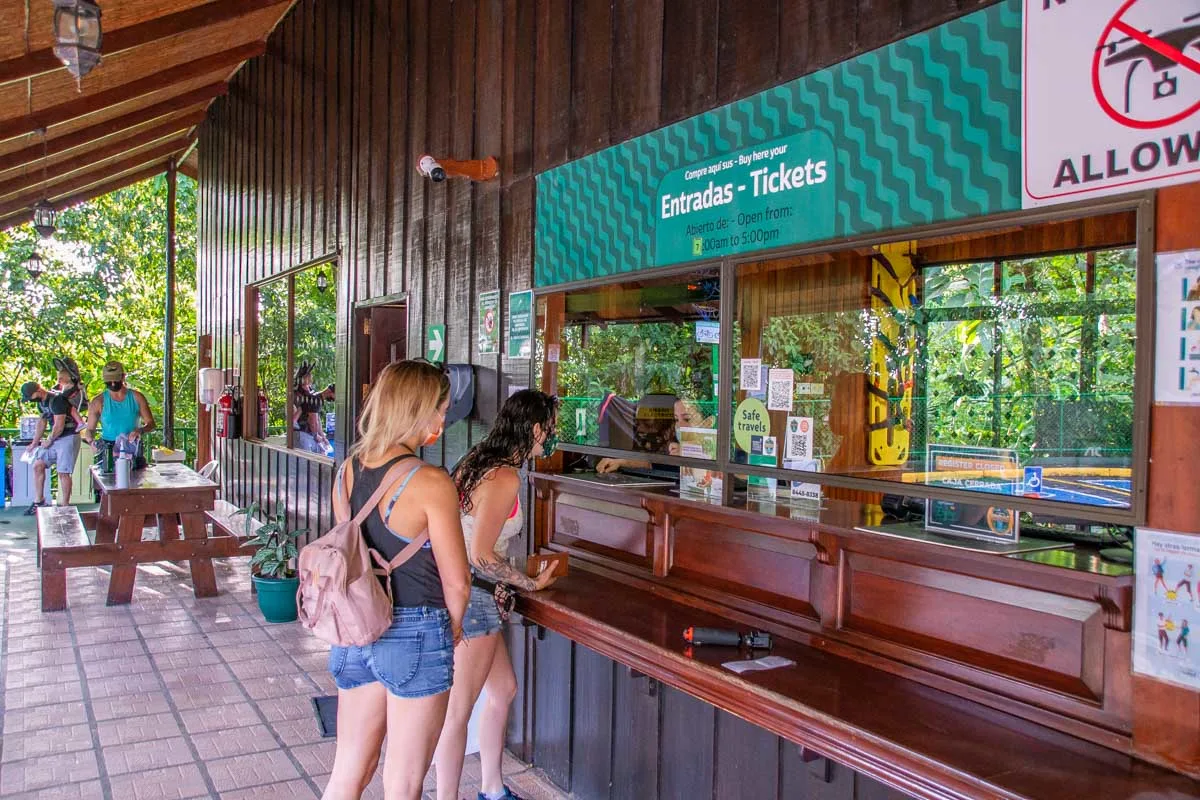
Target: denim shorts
{"points": [[413, 658], [482, 617]]}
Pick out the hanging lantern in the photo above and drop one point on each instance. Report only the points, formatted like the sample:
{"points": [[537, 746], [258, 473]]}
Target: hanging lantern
{"points": [[44, 217], [322, 281], [77, 35], [33, 266]]}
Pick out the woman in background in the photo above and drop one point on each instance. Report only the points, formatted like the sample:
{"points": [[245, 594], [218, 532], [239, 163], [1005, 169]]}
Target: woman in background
{"points": [[489, 496]]}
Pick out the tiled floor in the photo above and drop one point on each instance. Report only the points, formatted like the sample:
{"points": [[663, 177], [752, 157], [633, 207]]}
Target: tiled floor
{"points": [[169, 697]]}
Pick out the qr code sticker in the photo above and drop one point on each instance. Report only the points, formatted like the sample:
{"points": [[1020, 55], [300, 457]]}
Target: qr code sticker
{"points": [[779, 390], [798, 441], [798, 446]]}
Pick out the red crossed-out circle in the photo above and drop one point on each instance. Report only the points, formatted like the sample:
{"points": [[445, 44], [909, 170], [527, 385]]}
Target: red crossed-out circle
{"points": [[1119, 25]]}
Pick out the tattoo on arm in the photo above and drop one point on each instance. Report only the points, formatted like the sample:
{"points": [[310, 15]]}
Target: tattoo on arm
{"points": [[494, 568]]}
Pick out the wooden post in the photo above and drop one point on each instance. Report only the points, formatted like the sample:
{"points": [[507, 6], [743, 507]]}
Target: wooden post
{"points": [[1166, 718], [168, 395]]}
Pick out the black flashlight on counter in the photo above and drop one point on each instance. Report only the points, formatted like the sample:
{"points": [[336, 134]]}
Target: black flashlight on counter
{"points": [[722, 637]]}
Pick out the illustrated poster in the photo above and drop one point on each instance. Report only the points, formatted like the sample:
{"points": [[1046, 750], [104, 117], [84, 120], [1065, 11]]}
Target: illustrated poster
{"points": [[1177, 356], [1165, 606]]}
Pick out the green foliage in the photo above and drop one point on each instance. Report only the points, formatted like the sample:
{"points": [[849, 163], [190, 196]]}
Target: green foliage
{"points": [[102, 297], [635, 359], [314, 328], [275, 543]]}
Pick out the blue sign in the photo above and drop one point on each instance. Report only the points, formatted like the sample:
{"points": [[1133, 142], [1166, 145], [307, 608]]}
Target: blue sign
{"points": [[1033, 481]]}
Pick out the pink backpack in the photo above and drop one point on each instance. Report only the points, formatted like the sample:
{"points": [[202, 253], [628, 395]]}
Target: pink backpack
{"points": [[340, 598]]}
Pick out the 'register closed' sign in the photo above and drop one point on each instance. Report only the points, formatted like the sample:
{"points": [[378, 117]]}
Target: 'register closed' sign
{"points": [[1111, 93]]}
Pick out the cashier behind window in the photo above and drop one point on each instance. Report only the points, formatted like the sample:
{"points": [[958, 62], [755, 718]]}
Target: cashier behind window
{"points": [[653, 426]]}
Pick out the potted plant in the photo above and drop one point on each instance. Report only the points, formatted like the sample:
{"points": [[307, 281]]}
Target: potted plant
{"points": [[275, 581]]}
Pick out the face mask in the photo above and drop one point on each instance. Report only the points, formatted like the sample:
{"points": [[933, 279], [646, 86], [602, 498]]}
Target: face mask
{"points": [[115, 385], [549, 445], [433, 436]]}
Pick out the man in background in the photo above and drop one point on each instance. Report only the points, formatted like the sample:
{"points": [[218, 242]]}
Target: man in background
{"points": [[60, 448], [119, 411]]}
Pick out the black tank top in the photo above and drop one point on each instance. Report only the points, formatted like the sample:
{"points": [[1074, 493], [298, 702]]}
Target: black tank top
{"points": [[416, 582]]}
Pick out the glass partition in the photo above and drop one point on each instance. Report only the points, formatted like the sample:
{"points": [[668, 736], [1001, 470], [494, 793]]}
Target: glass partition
{"points": [[295, 329], [272, 367], [973, 363], [314, 332], [638, 367]]}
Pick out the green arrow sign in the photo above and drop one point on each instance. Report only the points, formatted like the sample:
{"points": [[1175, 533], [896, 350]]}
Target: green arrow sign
{"points": [[435, 343]]}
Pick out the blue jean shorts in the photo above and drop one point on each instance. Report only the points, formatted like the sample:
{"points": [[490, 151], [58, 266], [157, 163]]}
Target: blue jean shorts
{"points": [[413, 658], [482, 617]]}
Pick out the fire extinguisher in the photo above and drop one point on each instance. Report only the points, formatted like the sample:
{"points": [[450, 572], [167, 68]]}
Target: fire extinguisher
{"points": [[263, 413], [225, 414]]}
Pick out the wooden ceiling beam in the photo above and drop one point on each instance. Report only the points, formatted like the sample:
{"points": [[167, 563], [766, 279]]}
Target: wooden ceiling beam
{"points": [[90, 104], [33, 178], [69, 141], [86, 179], [90, 193], [131, 36]]}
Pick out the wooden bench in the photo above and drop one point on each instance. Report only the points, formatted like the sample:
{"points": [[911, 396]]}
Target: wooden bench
{"points": [[60, 533], [63, 543], [224, 517]]}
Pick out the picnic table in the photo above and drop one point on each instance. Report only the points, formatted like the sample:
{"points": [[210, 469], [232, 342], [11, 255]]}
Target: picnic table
{"points": [[173, 499]]}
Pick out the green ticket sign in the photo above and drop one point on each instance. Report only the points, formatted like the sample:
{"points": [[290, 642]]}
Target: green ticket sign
{"points": [[520, 324], [770, 195]]}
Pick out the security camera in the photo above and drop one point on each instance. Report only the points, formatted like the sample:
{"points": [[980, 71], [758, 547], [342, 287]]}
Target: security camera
{"points": [[430, 168]]}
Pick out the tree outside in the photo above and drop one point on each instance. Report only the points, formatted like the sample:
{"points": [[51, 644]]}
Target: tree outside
{"points": [[101, 297]]}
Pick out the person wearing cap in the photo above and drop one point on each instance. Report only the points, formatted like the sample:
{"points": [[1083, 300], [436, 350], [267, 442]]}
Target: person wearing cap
{"points": [[60, 448], [119, 411], [306, 411], [71, 386]]}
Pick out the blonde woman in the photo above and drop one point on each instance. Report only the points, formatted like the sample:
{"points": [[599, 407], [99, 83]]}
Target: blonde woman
{"points": [[399, 686]]}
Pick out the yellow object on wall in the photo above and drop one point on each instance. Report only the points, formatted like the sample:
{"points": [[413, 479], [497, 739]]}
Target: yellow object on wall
{"points": [[890, 376]]}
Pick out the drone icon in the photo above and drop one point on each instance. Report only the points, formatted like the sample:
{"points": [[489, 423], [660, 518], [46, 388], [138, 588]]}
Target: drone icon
{"points": [[1153, 62]]}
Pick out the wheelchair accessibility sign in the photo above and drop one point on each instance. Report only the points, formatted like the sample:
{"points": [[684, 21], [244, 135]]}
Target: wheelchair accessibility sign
{"points": [[1032, 485]]}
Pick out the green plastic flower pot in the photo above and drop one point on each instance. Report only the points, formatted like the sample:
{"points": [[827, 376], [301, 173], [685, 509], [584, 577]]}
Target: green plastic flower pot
{"points": [[277, 598]]}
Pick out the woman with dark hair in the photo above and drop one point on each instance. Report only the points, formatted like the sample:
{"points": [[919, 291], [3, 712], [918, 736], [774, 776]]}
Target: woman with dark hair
{"points": [[488, 489], [307, 403]]}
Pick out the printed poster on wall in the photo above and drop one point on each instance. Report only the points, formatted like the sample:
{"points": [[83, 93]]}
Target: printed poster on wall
{"points": [[1111, 92], [1165, 606], [520, 324], [489, 322], [1177, 343]]}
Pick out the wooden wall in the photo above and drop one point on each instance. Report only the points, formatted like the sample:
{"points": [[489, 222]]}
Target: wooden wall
{"points": [[632, 737], [312, 152]]}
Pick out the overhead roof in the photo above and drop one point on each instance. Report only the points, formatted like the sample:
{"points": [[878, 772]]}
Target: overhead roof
{"points": [[164, 61]]}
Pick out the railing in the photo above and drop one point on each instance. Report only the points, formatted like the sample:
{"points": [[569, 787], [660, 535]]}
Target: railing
{"points": [[185, 439]]}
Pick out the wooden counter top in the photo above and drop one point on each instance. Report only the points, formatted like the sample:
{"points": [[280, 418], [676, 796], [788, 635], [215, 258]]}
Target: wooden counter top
{"points": [[916, 738]]}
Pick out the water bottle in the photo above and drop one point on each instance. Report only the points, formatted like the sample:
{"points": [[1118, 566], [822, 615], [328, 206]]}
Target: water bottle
{"points": [[124, 471], [126, 450]]}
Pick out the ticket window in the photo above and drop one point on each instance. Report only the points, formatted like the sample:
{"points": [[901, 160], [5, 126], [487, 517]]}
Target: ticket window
{"points": [[638, 367], [955, 362]]}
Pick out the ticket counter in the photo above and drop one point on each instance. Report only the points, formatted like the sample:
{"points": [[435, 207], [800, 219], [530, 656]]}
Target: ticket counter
{"points": [[827, 384]]}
